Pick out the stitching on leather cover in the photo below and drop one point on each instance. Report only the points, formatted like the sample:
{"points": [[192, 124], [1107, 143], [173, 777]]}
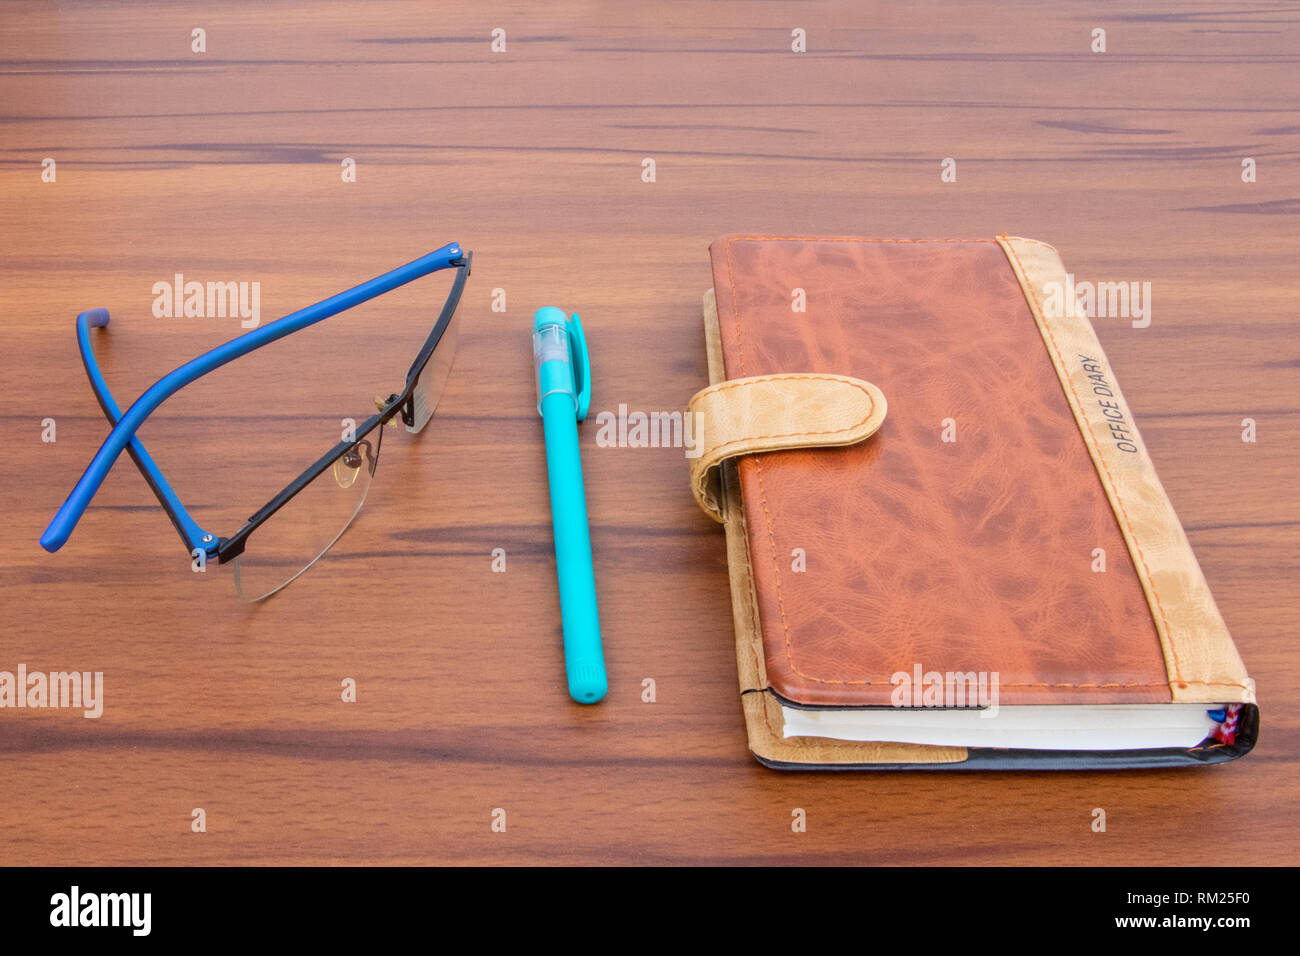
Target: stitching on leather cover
{"points": [[762, 238], [776, 564], [756, 629], [1110, 479], [1124, 518], [1092, 440], [802, 378]]}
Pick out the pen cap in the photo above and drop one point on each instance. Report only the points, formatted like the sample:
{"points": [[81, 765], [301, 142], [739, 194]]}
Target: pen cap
{"points": [[560, 359]]}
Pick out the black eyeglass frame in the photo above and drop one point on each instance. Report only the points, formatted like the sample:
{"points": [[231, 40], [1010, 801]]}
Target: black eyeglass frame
{"points": [[402, 403]]}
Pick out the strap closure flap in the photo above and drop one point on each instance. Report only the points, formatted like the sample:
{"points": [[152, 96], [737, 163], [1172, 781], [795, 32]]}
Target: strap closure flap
{"points": [[773, 413]]}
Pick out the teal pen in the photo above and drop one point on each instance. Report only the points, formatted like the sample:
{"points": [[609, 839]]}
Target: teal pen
{"points": [[563, 397]]}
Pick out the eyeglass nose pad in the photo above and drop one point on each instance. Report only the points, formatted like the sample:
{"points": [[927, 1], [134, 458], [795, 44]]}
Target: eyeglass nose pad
{"points": [[349, 464]]}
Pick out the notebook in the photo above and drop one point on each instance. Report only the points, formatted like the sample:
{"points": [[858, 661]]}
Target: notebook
{"points": [[947, 545]]}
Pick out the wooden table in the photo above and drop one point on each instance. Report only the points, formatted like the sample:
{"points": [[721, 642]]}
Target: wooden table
{"points": [[227, 165]]}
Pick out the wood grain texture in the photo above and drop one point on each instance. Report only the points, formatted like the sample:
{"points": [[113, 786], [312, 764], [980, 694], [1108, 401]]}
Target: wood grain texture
{"points": [[225, 166]]}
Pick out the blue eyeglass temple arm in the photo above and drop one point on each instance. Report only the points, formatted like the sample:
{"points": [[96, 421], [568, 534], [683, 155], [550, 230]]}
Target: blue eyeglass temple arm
{"points": [[190, 532], [123, 433]]}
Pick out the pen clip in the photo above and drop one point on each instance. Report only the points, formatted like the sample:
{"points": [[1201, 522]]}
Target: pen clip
{"points": [[581, 362]]}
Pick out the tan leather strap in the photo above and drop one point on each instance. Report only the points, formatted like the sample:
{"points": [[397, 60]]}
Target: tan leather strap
{"points": [[773, 413]]}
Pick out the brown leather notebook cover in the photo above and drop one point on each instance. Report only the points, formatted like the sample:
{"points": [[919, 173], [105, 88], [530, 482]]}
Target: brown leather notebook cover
{"points": [[963, 535]]}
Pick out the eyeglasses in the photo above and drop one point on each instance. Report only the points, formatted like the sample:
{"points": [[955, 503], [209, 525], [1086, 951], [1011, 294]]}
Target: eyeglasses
{"points": [[291, 532]]}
